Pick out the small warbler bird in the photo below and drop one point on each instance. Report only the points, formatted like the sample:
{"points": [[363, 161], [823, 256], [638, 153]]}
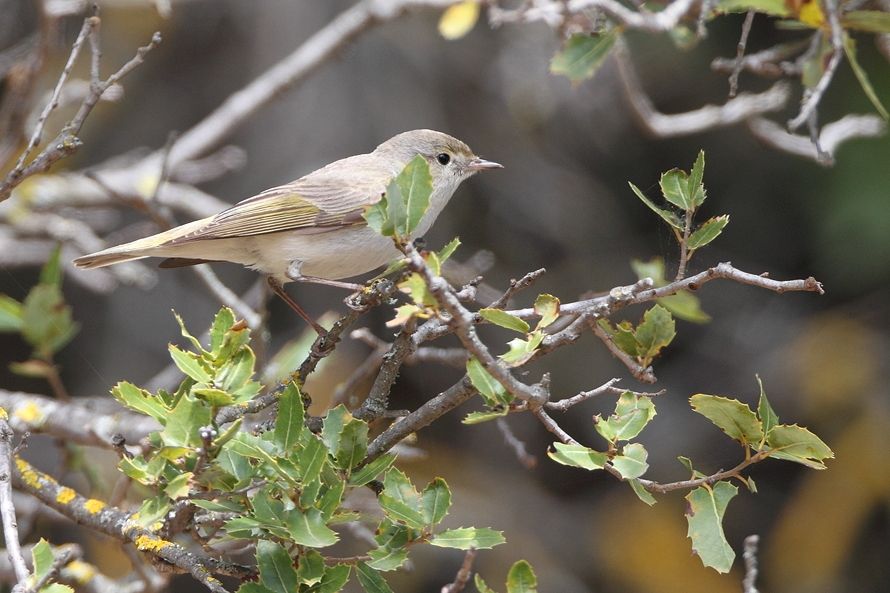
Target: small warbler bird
{"points": [[311, 229]]}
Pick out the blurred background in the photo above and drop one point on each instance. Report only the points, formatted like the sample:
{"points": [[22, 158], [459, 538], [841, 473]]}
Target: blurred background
{"points": [[562, 202]]}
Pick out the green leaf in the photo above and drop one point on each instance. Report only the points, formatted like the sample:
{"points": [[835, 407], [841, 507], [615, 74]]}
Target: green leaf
{"points": [[188, 363], [416, 185], [400, 501], [666, 215], [312, 457], [140, 401], [694, 188], [51, 272], [447, 251], [632, 461], [704, 513], [184, 421], [276, 568], [330, 500], [371, 580], [577, 456], [862, 77], [178, 487], [464, 538], [547, 306], [674, 185], [707, 231], [289, 420], [309, 529], [400, 511], [504, 319], [35, 369], [196, 344], [795, 443], [683, 305], [47, 324], [435, 502], [481, 586], [377, 218], [10, 314], [632, 413], [42, 556], [332, 427], [521, 578], [214, 397], [521, 351], [334, 579], [366, 473], [385, 559], [765, 412], [582, 55], [353, 444], [222, 323], [251, 587], [873, 21], [488, 387], [480, 417], [731, 416], [641, 492], [656, 331], [311, 567]]}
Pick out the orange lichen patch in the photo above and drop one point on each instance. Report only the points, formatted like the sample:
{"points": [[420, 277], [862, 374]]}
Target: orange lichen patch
{"points": [[150, 543], [156, 526], [29, 476], [31, 414], [65, 495], [80, 571], [93, 506]]}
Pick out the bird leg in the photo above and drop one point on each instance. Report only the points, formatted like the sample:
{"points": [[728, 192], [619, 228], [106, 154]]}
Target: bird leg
{"points": [[294, 273], [278, 289]]}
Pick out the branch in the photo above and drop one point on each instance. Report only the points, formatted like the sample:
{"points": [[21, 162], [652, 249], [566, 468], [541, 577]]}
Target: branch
{"points": [[119, 524], [830, 137], [7, 508], [463, 574], [738, 109], [377, 402], [813, 96], [290, 71], [66, 142], [653, 22], [646, 375], [607, 387], [749, 584], [85, 421]]}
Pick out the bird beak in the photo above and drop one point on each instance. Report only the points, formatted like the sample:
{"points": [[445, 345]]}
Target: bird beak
{"points": [[478, 164]]}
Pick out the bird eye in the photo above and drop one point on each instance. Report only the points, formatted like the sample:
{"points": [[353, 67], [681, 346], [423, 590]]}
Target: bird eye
{"points": [[444, 158]]}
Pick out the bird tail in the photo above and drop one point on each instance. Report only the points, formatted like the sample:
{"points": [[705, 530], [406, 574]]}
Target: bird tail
{"points": [[155, 245]]}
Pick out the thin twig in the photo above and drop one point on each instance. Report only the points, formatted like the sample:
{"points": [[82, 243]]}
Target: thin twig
{"points": [[551, 425], [463, 574], [607, 387], [7, 509], [527, 460], [813, 96], [831, 137], [653, 22], [646, 375], [517, 286], [739, 53]]}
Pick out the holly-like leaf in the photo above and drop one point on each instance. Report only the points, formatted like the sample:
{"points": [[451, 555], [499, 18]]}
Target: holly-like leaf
{"points": [[369, 472], [632, 461], [10, 314], [632, 413], [190, 365], [796, 443], [731, 416], [308, 528], [656, 331], [683, 305], [704, 514], [311, 568], [464, 538], [547, 306], [353, 444], [275, 567], [668, 216], [707, 232], [641, 492], [521, 351], [765, 412], [435, 501], [184, 421], [695, 188], [674, 187], [334, 579], [415, 184], [140, 400], [459, 19], [385, 559], [521, 578], [481, 586], [480, 417], [289, 420], [447, 251], [583, 54], [577, 456], [488, 387], [504, 319], [371, 580]]}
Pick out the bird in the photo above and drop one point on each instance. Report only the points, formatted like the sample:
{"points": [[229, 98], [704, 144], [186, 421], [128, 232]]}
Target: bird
{"points": [[311, 229]]}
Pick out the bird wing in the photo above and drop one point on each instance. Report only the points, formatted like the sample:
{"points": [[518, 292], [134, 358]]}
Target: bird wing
{"points": [[330, 198]]}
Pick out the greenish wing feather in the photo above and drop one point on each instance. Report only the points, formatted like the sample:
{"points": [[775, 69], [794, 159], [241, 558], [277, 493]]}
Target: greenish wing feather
{"points": [[319, 202]]}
